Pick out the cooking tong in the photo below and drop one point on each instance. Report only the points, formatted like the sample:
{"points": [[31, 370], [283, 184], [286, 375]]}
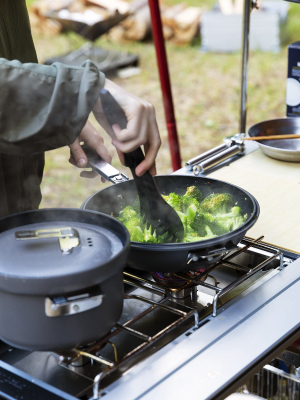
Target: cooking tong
{"points": [[155, 210]]}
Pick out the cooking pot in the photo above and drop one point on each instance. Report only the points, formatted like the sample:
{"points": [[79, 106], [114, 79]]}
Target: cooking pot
{"points": [[61, 277], [176, 257]]}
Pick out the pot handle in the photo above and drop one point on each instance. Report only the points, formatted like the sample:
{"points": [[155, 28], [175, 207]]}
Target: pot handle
{"points": [[103, 168], [68, 237], [62, 306]]}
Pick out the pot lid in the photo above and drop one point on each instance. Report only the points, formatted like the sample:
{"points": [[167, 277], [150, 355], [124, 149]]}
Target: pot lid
{"points": [[58, 255]]}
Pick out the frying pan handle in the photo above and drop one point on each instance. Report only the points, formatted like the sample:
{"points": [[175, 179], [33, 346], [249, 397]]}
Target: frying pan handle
{"points": [[103, 168]]}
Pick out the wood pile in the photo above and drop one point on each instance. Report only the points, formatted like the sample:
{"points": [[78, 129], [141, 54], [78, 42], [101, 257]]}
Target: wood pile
{"points": [[180, 23]]}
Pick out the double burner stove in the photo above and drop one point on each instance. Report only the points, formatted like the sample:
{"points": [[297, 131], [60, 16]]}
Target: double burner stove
{"points": [[158, 309]]}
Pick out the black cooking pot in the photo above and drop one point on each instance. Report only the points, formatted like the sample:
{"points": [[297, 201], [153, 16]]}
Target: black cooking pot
{"points": [[61, 277], [176, 257]]}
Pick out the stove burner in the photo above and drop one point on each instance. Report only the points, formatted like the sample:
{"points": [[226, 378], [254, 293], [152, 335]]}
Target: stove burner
{"points": [[76, 360], [172, 281]]}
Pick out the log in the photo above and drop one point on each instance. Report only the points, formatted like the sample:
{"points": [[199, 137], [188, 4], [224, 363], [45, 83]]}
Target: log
{"points": [[42, 7], [168, 32], [77, 6], [138, 26], [112, 5], [188, 17], [168, 15], [44, 25], [116, 34], [186, 25], [186, 36]]}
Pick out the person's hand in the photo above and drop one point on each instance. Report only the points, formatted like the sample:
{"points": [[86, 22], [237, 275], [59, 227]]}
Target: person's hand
{"points": [[142, 129], [93, 139]]}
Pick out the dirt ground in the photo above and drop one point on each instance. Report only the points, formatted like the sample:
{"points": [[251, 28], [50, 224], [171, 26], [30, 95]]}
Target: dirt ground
{"points": [[206, 90]]}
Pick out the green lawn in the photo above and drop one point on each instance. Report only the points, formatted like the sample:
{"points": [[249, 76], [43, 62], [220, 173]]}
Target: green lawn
{"points": [[206, 89]]}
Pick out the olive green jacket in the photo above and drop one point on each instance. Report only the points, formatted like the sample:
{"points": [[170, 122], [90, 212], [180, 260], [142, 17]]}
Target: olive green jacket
{"points": [[41, 108]]}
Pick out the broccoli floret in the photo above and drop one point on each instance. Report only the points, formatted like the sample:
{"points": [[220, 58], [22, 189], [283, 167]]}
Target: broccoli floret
{"points": [[193, 238], [217, 203], [137, 235], [191, 213], [227, 222], [188, 201], [194, 192], [183, 219], [220, 227], [136, 205], [214, 216], [174, 200], [163, 238], [148, 236], [200, 221], [234, 212], [237, 222], [132, 223], [126, 214], [209, 232]]}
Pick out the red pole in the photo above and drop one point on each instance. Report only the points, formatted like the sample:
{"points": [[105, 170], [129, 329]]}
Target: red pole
{"points": [[165, 82]]}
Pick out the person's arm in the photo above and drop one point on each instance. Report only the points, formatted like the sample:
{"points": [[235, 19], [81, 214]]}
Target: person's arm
{"points": [[44, 107]]}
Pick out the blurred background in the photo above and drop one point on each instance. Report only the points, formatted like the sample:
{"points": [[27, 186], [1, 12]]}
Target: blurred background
{"points": [[205, 80]]}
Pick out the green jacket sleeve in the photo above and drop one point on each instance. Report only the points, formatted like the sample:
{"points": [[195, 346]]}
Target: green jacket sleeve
{"points": [[44, 107]]}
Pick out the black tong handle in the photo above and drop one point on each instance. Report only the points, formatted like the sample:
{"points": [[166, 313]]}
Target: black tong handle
{"points": [[115, 115], [146, 186]]}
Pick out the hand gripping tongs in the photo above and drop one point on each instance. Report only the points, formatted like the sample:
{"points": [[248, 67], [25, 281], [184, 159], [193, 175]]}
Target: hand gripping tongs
{"points": [[156, 212]]}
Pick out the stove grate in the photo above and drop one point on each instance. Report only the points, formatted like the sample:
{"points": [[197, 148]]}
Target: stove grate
{"points": [[122, 364]]}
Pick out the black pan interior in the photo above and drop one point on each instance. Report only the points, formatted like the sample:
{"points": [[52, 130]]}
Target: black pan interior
{"points": [[113, 199]]}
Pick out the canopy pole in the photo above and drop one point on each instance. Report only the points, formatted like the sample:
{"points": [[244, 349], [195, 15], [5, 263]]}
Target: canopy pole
{"points": [[165, 83]]}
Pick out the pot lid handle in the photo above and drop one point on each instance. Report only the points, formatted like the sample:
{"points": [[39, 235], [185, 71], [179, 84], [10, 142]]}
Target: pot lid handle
{"points": [[68, 237]]}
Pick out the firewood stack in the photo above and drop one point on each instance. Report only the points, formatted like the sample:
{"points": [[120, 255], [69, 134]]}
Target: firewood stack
{"points": [[180, 23]]}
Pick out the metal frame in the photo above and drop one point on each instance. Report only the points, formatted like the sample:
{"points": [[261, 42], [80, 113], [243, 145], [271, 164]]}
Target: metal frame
{"points": [[248, 7]]}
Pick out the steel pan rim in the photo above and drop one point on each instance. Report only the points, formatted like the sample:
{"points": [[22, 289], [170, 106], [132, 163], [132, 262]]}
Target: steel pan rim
{"points": [[289, 152]]}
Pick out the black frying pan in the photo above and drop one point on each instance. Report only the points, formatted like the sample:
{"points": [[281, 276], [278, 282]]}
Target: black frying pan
{"points": [[174, 257]]}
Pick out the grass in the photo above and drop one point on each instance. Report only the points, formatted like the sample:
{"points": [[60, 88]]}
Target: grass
{"points": [[206, 90]]}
